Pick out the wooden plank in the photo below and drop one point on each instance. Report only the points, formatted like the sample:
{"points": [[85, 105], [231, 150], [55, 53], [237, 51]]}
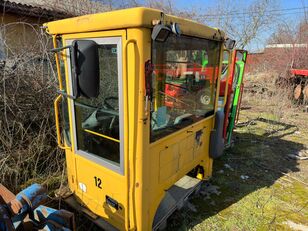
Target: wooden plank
{"points": [[6, 194]]}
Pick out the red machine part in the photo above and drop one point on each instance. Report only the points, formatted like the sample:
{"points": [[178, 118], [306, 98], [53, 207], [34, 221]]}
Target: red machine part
{"points": [[229, 93], [302, 72], [301, 89]]}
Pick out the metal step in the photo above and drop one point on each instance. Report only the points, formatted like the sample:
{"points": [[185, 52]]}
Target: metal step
{"points": [[100, 222], [174, 199]]}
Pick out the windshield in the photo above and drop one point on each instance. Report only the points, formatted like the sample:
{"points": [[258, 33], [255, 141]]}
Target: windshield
{"points": [[184, 82]]}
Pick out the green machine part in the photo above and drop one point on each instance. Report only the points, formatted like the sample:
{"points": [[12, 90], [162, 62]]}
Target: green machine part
{"points": [[203, 57], [234, 107]]}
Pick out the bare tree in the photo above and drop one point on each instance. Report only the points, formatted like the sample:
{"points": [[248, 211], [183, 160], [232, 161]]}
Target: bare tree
{"points": [[245, 24]]}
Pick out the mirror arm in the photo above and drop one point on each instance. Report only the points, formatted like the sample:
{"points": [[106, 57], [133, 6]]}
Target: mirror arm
{"points": [[62, 92], [55, 50]]}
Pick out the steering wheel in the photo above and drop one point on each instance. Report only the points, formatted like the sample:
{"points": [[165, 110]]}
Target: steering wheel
{"points": [[108, 105]]}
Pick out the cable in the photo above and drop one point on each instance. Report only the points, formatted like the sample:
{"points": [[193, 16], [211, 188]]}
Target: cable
{"points": [[219, 16], [255, 12]]}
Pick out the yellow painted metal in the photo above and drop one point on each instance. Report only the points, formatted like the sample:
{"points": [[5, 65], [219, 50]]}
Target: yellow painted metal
{"points": [[218, 79], [54, 41], [149, 168], [128, 18], [132, 71], [79, 166], [101, 135], [58, 99]]}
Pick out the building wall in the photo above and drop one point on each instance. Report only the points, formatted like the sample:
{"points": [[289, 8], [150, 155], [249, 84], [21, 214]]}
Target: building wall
{"points": [[19, 34]]}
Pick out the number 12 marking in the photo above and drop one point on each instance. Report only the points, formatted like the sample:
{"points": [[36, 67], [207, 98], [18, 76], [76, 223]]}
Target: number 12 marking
{"points": [[98, 182]]}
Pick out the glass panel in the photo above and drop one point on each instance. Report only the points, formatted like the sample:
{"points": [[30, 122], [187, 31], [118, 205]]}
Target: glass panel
{"points": [[97, 119], [65, 121], [236, 75], [225, 65], [2, 48], [184, 82]]}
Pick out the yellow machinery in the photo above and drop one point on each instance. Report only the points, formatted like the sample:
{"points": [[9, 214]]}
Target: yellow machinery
{"points": [[139, 122]]}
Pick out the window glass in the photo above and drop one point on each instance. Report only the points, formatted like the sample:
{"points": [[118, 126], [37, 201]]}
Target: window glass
{"points": [[2, 48], [236, 75], [225, 65], [97, 119], [239, 59], [184, 82]]}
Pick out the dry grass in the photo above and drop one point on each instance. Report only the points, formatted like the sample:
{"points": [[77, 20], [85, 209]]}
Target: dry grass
{"points": [[261, 89], [259, 186]]}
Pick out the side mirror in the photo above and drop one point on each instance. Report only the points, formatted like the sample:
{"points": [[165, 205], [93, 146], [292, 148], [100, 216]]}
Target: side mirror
{"points": [[160, 33], [229, 43], [85, 65]]}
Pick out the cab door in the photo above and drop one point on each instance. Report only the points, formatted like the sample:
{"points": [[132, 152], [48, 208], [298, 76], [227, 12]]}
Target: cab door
{"points": [[98, 133]]}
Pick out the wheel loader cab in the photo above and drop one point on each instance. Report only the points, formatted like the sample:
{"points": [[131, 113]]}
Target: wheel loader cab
{"points": [[138, 91]]}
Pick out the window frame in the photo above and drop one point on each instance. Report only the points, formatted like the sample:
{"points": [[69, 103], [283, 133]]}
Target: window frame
{"points": [[114, 40], [66, 134]]}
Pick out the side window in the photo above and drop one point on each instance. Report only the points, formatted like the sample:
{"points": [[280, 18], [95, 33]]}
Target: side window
{"points": [[236, 75], [64, 104], [225, 65], [239, 59], [97, 119], [184, 82]]}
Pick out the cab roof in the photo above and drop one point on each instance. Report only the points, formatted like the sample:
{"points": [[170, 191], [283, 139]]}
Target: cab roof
{"points": [[128, 18]]}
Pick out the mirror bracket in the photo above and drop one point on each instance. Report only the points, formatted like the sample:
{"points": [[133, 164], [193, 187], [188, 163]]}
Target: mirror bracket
{"points": [[55, 50], [62, 92]]}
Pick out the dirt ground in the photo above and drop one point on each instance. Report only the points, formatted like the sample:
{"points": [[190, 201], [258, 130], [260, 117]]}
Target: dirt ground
{"points": [[261, 183]]}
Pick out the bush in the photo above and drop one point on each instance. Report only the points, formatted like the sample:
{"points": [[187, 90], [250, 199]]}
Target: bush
{"points": [[28, 150]]}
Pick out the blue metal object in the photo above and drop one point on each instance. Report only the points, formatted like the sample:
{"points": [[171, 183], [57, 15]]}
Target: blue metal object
{"points": [[41, 217], [61, 219], [32, 197]]}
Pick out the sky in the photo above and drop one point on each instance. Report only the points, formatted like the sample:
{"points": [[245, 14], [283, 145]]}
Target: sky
{"points": [[288, 12], [284, 3]]}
